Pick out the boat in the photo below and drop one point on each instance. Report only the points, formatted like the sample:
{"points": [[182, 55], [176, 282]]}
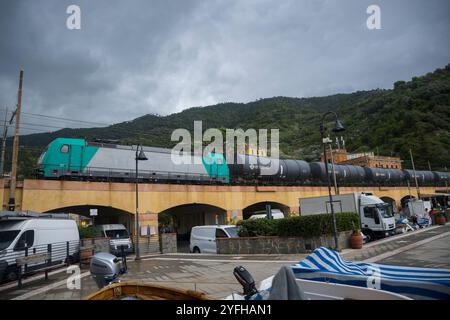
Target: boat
{"points": [[324, 275], [326, 265], [285, 286], [130, 290]]}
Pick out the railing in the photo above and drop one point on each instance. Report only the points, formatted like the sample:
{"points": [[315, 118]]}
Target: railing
{"points": [[14, 262]]}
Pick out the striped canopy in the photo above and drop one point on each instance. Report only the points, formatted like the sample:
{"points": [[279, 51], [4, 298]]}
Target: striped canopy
{"points": [[419, 283]]}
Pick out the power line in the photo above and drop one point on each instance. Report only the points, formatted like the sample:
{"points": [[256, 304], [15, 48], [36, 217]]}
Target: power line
{"points": [[110, 127], [37, 115]]}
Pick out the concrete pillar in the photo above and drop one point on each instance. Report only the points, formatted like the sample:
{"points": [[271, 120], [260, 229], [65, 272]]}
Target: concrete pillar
{"points": [[234, 215], [294, 211]]}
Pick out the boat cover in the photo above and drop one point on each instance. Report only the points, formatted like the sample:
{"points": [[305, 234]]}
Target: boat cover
{"points": [[418, 283]]}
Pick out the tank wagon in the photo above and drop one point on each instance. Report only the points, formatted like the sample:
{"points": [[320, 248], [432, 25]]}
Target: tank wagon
{"points": [[76, 159]]}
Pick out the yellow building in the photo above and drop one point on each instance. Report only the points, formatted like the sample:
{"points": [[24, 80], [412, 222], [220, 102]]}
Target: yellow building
{"points": [[367, 159]]}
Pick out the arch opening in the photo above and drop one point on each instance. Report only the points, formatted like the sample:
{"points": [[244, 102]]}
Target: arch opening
{"points": [[182, 218], [405, 200], [105, 215], [260, 208]]}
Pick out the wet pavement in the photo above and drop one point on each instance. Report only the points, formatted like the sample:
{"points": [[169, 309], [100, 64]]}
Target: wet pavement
{"points": [[213, 274]]}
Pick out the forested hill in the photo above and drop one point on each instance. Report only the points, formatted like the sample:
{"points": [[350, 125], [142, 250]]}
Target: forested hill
{"points": [[414, 114]]}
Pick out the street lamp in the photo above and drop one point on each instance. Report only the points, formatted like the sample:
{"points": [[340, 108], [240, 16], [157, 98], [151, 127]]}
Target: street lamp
{"points": [[337, 128], [140, 156]]}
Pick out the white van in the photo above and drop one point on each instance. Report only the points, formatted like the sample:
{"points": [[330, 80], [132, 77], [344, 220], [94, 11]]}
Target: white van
{"points": [[276, 214], [203, 238], [34, 236], [118, 236]]}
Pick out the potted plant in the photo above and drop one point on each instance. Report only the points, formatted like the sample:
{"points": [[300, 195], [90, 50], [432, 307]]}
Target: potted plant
{"points": [[356, 239], [440, 218]]}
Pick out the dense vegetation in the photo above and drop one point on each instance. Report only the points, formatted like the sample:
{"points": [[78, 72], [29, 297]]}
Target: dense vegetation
{"points": [[299, 226], [413, 115]]}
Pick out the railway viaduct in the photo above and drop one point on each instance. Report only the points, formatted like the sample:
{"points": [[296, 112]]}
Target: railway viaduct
{"points": [[219, 203]]}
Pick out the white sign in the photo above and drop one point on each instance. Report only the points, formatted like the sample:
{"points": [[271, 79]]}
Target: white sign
{"points": [[144, 231], [93, 212]]}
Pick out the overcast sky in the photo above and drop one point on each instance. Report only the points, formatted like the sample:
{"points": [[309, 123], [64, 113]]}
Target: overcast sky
{"points": [[134, 57]]}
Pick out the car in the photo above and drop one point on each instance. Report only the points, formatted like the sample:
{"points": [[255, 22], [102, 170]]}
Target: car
{"points": [[203, 238]]}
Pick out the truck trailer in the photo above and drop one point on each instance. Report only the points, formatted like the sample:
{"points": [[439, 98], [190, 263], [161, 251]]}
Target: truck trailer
{"points": [[376, 216]]}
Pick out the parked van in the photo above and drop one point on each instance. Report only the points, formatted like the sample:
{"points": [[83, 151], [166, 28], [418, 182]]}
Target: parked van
{"points": [[203, 238], [118, 235], [34, 236], [276, 214]]}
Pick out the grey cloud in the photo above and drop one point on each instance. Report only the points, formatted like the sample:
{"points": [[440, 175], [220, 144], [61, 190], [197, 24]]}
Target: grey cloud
{"points": [[136, 57]]}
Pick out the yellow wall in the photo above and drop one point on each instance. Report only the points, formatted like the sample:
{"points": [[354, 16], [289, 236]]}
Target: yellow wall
{"points": [[47, 195]]}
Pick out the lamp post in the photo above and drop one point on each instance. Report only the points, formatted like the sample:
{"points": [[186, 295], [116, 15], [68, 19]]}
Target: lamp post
{"points": [[337, 128], [140, 156]]}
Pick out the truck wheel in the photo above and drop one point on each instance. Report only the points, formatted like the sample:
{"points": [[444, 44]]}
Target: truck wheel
{"points": [[10, 275], [196, 250], [370, 235]]}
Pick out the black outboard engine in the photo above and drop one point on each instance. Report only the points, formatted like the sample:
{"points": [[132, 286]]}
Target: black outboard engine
{"points": [[246, 280], [106, 268]]}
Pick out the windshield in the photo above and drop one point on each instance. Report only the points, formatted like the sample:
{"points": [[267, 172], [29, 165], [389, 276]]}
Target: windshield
{"points": [[232, 231], [117, 234], [385, 211], [7, 237]]}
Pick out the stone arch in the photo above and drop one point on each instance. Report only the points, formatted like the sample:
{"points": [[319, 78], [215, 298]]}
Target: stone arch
{"points": [[261, 206], [405, 199], [106, 214], [181, 218]]}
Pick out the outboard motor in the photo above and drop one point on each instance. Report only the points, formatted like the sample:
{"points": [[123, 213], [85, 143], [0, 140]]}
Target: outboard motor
{"points": [[106, 268], [246, 280]]}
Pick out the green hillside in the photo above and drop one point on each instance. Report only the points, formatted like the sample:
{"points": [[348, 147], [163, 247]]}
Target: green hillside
{"points": [[414, 114]]}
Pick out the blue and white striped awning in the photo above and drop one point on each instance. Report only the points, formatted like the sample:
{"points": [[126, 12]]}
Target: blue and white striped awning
{"points": [[419, 283]]}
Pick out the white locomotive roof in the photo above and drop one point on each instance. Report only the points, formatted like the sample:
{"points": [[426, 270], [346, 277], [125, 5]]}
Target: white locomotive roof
{"points": [[133, 147]]}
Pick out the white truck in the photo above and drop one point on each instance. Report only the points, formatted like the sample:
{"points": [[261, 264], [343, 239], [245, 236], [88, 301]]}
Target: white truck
{"points": [[118, 235], [262, 214], [377, 219]]}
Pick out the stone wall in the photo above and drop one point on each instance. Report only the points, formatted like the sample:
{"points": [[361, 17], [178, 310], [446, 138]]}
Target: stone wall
{"points": [[279, 245], [96, 244], [168, 242]]}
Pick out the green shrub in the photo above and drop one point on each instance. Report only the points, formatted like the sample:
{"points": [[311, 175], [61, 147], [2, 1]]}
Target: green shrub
{"points": [[87, 232], [299, 226], [258, 228]]}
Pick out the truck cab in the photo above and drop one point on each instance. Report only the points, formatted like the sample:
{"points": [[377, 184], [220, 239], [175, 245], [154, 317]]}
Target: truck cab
{"points": [[118, 235], [377, 218]]}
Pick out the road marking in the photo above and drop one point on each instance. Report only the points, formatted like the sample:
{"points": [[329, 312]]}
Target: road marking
{"points": [[405, 248], [47, 288], [224, 260]]}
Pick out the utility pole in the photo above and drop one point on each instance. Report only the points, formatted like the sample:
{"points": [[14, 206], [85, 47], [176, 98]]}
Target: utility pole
{"points": [[415, 175], [15, 155], [5, 134]]}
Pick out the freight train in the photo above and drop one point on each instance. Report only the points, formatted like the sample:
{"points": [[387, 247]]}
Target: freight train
{"points": [[77, 159]]}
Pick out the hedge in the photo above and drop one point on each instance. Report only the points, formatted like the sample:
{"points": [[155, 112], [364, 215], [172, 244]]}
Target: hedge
{"points": [[87, 232], [299, 226]]}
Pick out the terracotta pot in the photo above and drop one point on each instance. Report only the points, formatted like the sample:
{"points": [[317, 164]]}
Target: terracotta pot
{"points": [[441, 220], [86, 255], [356, 240]]}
